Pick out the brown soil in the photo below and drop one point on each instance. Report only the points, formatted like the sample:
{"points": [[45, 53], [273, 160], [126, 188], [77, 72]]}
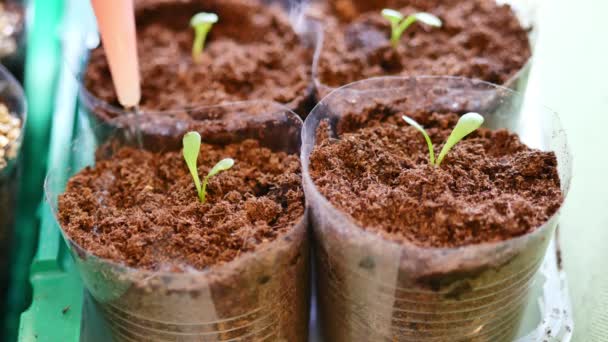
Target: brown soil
{"points": [[151, 217], [479, 39], [490, 187], [251, 53]]}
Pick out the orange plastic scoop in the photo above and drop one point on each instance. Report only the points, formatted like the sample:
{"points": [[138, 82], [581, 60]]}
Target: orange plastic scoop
{"points": [[116, 22]]}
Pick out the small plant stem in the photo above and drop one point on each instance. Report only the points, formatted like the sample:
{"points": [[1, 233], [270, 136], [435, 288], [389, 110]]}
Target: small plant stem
{"points": [[394, 36], [200, 35], [420, 129], [203, 194], [429, 143], [399, 29]]}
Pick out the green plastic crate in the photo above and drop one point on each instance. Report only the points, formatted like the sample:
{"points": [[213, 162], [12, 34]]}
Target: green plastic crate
{"points": [[42, 63], [56, 45]]}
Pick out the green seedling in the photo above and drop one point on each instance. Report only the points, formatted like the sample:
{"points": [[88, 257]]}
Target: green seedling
{"points": [[192, 146], [201, 23], [465, 126], [399, 23], [429, 143]]}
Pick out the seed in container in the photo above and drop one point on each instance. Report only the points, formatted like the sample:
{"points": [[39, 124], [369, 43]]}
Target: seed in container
{"points": [[10, 129]]}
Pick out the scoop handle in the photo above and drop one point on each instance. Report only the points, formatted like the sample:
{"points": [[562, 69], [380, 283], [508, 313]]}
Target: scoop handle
{"points": [[116, 24]]}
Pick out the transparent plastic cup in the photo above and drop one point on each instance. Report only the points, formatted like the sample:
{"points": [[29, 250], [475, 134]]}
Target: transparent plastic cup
{"points": [[261, 295], [373, 289], [11, 95], [230, 13], [526, 12]]}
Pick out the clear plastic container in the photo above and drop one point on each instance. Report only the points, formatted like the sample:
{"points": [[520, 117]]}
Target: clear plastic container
{"points": [[372, 289], [11, 95], [307, 30], [526, 12], [259, 296]]}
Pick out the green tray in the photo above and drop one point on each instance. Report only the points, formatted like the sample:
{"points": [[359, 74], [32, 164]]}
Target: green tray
{"points": [[56, 299], [59, 310], [41, 65]]}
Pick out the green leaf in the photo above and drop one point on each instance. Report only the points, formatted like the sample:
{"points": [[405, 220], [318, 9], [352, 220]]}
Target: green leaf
{"points": [[201, 23], [222, 165], [203, 18], [393, 16], [466, 125], [399, 24], [192, 147], [428, 19], [429, 143]]}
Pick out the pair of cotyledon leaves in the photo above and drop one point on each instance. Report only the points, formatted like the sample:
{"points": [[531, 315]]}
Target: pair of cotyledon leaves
{"points": [[192, 146], [466, 125]]}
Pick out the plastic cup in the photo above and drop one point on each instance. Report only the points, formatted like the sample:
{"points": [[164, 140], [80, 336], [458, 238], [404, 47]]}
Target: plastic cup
{"points": [[525, 12], [258, 296], [372, 289], [11, 95], [307, 30]]}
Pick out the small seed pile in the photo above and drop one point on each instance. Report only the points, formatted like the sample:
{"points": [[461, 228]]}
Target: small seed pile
{"points": [[10, 129]]}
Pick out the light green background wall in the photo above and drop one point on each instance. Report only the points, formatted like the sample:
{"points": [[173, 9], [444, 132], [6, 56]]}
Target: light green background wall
{"points": [[571, 76]]}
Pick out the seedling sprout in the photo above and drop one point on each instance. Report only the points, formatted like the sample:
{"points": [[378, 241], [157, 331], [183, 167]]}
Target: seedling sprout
{"points": [[465, 126], [429, 143], [399, 23], [192, 146], [201, 23]]}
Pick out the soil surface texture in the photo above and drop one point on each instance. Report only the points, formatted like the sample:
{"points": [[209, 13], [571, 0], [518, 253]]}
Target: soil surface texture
{"points": [[252, 53], [479, 39], [490, 187], [141, 208]]}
